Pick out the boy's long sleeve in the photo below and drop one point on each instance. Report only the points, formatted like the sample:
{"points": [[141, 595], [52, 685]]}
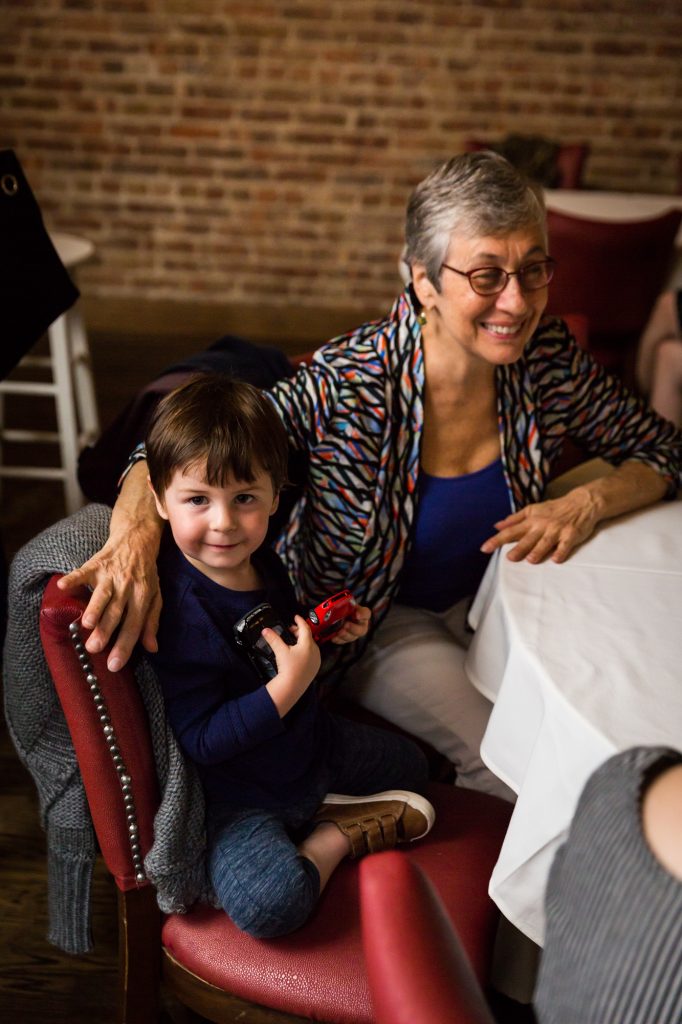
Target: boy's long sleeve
{"points": [[211, 726]]}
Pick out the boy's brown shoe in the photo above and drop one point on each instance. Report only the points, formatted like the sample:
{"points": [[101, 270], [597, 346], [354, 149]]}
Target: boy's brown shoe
{"points": [[379, 821]]}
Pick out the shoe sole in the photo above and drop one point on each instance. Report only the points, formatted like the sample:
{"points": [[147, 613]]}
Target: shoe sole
{"points": [[413, 800]]}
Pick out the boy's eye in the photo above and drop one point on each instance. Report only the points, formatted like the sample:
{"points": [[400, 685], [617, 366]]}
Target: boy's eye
{"points": [[197, 499], [244, 499]]}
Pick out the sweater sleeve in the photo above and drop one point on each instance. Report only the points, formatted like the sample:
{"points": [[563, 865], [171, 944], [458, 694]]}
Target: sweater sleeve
{"points": [[579, 397], [306, 402]]}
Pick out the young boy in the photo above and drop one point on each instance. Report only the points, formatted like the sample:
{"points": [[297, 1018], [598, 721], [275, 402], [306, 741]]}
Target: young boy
{"points": [[267, 750]]}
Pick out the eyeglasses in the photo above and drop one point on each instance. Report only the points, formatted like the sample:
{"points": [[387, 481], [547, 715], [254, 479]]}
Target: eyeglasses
{"points": [[493, 280]]}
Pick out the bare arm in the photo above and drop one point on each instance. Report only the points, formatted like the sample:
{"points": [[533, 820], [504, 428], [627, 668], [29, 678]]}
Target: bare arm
{"points": [[122, 576], [554, 529], [662, 819], [662, 324]]}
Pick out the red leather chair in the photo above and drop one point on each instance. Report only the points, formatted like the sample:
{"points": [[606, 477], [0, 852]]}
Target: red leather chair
{"points": [[570, 160], [204, 960], [611, 272], [570, 164], [418, 971]]}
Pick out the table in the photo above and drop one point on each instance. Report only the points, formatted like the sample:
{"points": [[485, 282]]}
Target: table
{"points": [[598, 205], [72, 249], [581, 660]]}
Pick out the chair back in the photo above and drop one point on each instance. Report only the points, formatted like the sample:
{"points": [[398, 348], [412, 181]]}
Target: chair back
{"points": [[417, 969], [610, 271], [570, 164], [110, 733], [569, 159]]}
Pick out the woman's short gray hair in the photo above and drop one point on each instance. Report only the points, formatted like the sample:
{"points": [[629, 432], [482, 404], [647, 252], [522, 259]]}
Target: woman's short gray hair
{"points": [[473, 194]]}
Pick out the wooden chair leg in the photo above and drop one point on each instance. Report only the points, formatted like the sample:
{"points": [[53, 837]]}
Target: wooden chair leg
{"points": [[139, 956]]}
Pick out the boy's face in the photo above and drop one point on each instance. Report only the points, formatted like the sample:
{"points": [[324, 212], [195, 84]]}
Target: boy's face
{"points": [[219, 528]]}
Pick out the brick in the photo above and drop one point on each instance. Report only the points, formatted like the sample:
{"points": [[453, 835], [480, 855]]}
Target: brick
{"points": [[263, 151]]}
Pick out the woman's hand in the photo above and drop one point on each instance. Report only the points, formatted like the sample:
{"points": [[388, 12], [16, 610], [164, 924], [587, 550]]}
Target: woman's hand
{"points": [[297, 665], [123, 577], [355, 628], [549, 529], [554, 529], [125, 589]]}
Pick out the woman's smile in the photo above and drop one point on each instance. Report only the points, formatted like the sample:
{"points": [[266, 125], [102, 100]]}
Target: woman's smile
{"points": [[504, 331], [491, 328]]}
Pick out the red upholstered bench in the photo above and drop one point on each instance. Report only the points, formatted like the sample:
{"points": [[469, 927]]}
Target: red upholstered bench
{"points": [[317, 972]]}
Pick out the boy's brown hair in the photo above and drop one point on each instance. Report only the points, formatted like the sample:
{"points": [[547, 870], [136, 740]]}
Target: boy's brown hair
{"points": [[225, 423]]}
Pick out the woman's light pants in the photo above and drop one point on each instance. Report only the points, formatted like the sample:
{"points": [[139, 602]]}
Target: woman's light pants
{"points": [[413, 674]]}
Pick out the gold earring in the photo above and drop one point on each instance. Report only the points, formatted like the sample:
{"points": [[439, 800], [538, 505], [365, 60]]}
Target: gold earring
{"points": [[421, 318]]}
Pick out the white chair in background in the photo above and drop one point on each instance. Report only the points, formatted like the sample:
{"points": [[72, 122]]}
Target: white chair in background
{"points": [[71, 387]]}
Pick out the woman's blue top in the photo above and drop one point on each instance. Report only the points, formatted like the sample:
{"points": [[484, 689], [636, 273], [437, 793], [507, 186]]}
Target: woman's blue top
{"points": [[455, 514]]}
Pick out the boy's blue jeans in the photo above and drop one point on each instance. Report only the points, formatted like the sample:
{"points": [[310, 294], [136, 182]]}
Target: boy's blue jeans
{"points": [[262, 883]]}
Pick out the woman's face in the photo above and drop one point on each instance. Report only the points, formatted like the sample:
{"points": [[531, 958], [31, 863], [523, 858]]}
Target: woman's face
{"points": [[493, 328]]}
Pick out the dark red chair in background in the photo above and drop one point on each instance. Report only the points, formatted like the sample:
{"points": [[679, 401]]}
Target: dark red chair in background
{"points": [[569, 161], [317, 972], [611, 272]]}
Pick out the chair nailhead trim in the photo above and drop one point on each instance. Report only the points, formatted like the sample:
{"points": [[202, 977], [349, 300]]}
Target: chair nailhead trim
{"points": [[110, 736]]}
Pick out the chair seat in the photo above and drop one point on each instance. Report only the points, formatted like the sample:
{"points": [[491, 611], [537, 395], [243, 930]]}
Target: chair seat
{"points": [[295, 973]]}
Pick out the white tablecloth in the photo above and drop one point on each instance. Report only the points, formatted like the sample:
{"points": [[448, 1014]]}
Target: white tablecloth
{"points": [[581, 660]]}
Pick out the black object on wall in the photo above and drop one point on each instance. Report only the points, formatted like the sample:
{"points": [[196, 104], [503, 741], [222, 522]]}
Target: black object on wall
{"points": [[35, 287]]}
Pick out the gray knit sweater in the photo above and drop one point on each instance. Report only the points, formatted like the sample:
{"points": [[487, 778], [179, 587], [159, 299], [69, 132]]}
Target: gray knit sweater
{"points": [[176, 862]]}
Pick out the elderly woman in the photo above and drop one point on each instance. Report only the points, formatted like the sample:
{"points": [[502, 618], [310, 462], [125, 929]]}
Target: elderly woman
{"points": [[431, 436]]}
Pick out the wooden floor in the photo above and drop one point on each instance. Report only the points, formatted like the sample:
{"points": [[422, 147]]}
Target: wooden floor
{"points": [[37, 982]]}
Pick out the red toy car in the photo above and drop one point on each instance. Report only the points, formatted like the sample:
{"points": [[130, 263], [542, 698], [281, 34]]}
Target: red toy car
{"points": [[328, 617]]}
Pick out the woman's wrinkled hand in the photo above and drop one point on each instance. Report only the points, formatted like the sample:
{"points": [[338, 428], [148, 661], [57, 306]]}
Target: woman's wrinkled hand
{"points": [[549, 529], [125, 592]]}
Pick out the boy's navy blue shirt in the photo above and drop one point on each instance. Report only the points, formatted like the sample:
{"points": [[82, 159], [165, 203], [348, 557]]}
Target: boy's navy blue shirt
{"points": [[218, 706]]}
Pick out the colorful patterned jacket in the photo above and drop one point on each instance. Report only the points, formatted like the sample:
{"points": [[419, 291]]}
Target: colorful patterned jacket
{"points": [[357, 409]]}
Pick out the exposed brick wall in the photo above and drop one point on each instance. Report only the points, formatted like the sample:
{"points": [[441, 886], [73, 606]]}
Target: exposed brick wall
{"points": [[262, 151]]}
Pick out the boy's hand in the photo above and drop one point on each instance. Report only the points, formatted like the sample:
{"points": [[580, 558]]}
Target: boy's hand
{"points": [[355, 628], [297, 665]]}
